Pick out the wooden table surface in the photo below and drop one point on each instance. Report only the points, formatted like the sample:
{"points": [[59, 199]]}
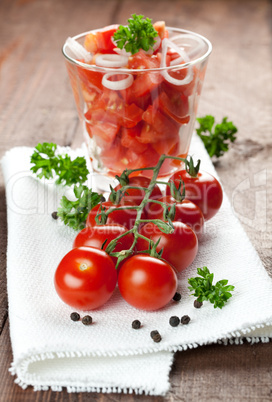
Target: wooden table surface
{"points": [[37, 105]]}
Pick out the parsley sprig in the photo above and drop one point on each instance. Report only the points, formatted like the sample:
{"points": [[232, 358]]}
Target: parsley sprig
{"points": [[75, 213], [139, 34], [46, 163], [204, 289], [216, 138]]}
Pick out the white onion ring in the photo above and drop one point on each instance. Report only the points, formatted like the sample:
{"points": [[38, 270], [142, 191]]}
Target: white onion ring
{"points": [[122, 52], [117, 85], [193, 52], [77, 51], [189, 76], [111, 60]]}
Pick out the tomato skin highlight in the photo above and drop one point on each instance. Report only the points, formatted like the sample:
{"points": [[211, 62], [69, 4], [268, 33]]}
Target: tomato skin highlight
{"points": [[147, 283], [179, 248], [204, 190], [186, 212], [95, 237], [85, 278]]}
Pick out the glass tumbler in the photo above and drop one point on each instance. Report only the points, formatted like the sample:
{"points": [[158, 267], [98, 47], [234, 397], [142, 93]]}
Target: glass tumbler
{"points": [[133, 114]]}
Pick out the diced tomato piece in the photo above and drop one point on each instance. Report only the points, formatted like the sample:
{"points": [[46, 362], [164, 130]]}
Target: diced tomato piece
{"points": [[144, 83], [160, 123], [110, 107], [92, 80], [148, 134], [103, 133], [131, 116], [101, 116], [159, 26], [129, 139], [101, 41], [168, 146], [141, 60], [148, 158], [167, 59], [175, 106], [90, 96]]}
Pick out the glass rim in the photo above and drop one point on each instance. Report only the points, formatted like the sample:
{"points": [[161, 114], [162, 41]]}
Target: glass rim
{"points": [[139, 70]]}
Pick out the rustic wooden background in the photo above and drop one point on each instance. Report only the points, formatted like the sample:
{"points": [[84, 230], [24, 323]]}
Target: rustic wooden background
{"points": [[36, 104]]}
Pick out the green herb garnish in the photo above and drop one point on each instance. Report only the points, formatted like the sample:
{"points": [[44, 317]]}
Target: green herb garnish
{"points": [[217, 294], [139, 34], [216, 140], [46, 162], [75, 213]]}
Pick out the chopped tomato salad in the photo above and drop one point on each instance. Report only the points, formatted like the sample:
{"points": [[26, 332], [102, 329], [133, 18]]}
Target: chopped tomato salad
{"points": [[134, 111]]}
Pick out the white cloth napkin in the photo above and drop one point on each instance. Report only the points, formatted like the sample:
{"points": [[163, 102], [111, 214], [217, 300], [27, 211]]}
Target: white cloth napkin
{"points": [[50, 350]]}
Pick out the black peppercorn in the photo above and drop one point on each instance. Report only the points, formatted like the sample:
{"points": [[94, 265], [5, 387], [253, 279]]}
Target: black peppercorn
{"points": [[136, 324], [185, 320], [54, 215], [87, 320], [174, 321], [197, 304], [157, 338], [155, 335], [177, 296], [75, 316]]}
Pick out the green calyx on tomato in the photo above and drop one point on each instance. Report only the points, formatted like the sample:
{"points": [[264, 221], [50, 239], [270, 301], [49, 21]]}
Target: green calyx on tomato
{"points": [[176, 192], [192, 169]]}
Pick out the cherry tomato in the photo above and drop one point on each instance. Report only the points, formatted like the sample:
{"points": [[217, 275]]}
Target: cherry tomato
{"points": [[85, 278], [204, 190], [122, 216], [179, 247], [95, 237], [186, 212], [136, 195], [147, 283]]}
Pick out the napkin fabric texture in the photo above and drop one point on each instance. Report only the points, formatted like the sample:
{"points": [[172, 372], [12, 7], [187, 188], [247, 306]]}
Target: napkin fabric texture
{"points": [[50, 350]]}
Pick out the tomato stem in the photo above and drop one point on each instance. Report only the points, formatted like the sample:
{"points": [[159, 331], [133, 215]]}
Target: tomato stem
{"points": [[163, 226]]}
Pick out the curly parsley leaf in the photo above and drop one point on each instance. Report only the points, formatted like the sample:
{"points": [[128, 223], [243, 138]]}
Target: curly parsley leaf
{"points": [[203, 288], [216, 138], [46, 162], [74, 213], [139, 34]]}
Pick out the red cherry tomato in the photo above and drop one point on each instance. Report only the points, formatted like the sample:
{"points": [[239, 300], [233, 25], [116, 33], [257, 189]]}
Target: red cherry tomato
{"points": [[136, 195], [95, 237], [179, 247], [204, 190], [122, 216], [85, 278], [147, 283], [186, 212]]}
